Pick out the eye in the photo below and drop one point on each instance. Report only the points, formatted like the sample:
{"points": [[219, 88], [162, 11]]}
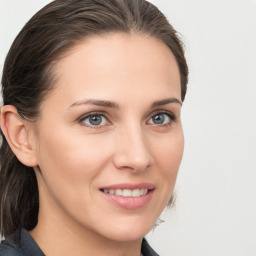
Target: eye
{"points": [[162, 119], [96, 120]]}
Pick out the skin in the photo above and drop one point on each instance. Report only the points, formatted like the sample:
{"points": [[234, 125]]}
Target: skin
{"points": [[73, 158]]}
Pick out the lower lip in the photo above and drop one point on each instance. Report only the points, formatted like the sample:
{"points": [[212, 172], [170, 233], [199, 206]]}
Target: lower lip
{"points": [[130, 203]]}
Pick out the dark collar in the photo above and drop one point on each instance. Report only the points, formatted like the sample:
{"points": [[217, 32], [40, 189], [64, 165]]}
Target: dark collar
{"points": [[146, 250], [22, 244]]}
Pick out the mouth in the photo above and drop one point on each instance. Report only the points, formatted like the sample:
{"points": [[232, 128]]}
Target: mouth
{"points": [[129, 196], [126, 192]]}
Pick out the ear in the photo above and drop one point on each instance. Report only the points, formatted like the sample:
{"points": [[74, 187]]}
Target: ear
{"points": [[17, 132]]}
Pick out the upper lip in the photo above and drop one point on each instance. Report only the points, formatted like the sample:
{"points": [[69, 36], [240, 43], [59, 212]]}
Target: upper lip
{"points": [[130, 186]]}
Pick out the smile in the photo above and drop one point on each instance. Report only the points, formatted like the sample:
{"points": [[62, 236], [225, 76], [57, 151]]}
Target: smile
{"points": [[126, 192], [129, 196]]}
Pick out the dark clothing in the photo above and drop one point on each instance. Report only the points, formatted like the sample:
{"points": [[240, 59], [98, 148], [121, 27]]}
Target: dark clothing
{"points": [[25, 247], [28, 247], [146, 250]]}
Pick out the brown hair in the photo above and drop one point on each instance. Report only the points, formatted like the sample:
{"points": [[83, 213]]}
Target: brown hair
{"points": [[28, 77]]}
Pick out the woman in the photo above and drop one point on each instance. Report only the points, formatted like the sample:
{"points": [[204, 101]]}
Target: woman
{"points": [[92, 137]]}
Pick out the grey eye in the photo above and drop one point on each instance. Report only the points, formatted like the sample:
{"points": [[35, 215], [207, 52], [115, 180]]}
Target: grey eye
{"points": [[95, 120], [160, 118]]}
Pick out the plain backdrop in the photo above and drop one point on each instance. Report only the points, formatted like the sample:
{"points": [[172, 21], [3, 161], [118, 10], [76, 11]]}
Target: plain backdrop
{"points": [[215, 212]]}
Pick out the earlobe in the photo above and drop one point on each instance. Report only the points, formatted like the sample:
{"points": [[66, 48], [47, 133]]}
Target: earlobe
{"points": [[15, 130]]}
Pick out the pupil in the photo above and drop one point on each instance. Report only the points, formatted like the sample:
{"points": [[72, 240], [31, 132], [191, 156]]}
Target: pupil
{"points": [[158, 119], [95, 120]]}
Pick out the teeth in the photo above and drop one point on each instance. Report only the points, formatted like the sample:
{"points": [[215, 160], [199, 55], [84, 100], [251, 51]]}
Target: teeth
{"points": [[112, 191], [136, 192], [127, 192], [119, 192]]}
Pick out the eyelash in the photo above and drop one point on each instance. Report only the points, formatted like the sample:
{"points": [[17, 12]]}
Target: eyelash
{"points": [[82, 119], [169, 114]]}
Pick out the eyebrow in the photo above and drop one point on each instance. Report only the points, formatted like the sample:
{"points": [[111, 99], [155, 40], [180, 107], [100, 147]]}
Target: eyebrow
{"points": [[165, 102], [100, 103], [111, 104]]}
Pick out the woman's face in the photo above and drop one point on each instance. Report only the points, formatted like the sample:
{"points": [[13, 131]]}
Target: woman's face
{"points": [[109, 141]]}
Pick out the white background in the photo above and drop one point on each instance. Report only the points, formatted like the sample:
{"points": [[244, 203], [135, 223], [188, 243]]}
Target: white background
{"points": [[215, 213]]}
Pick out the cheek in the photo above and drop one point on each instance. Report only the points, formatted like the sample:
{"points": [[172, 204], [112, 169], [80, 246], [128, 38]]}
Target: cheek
{"points": [[69, 167], [72, 160], [169, 154], [168, 158]]}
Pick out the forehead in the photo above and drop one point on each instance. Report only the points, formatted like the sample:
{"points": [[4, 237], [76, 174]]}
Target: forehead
{"points": [[117, 63]]}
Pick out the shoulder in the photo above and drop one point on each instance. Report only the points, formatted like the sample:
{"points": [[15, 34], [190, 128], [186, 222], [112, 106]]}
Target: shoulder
{"points": [[22, 244], [10, 250]]}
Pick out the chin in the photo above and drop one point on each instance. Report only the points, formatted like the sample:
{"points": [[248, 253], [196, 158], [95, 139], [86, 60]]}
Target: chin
{"points": [[127, 231]]}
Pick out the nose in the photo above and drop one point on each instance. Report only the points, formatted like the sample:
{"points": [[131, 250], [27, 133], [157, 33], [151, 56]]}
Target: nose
{"points": [[132, 150]]}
